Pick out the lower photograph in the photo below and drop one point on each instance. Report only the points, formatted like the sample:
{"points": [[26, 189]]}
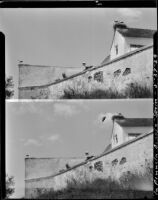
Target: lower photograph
{"points": [[79, 149]]}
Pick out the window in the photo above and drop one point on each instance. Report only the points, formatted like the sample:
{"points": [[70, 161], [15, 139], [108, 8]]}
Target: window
{"points": [[98, 76], [115, 139], [133, 135], [116, 49], [98, 166], [89, 78], [135, 46], [114, 162], [126, 72], [117, 73], [122, 161]]}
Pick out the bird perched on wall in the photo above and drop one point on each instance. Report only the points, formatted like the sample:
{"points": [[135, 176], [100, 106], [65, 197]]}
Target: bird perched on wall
{"points": [[27, 156], [20, 61]]}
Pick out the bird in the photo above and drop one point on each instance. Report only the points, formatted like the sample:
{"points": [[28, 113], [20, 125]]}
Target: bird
{"points": [[103, 118]]}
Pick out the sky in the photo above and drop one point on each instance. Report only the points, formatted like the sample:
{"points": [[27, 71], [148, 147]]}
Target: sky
{"points": [[63, 128], [64, 36]]}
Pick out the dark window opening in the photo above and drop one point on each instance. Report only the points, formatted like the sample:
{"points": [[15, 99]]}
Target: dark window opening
{"points": [[135, 46], [90, 168], [133, 135], [115, 138], [98, 166], [117, 73], [123, 160], [116, 49], [89, 78], [98, 76], [126, 72], [114, 162]]}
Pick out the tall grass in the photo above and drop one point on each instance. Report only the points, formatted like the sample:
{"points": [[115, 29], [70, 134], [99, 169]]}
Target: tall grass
{"points": [[97, 189], [133, 90]]}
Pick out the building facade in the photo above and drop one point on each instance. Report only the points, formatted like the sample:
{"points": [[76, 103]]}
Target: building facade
{"points": [[125, 129], [126, 39]]}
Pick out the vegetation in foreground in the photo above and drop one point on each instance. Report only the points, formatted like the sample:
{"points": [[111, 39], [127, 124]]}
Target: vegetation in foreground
{"points": [[133, 90], [98, 189], [9, 186], [9, 85]]}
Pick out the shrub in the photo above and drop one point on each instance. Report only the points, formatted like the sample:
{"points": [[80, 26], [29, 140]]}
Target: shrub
{"points": [[9, 186], [133, 90], [97, 189]]}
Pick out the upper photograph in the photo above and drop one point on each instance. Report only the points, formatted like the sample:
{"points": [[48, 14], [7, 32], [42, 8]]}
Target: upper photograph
{"points": [[78, 53]]}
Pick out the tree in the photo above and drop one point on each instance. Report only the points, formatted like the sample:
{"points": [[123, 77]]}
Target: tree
{"points": [[9, 92], [9, 186]]}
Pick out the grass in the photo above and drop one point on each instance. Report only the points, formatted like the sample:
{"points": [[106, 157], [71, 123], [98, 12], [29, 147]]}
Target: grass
{"points": [[98, 189], [133, 90]]}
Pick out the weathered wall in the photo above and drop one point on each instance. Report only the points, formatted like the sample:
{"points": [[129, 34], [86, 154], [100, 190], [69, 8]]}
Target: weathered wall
{"points": [[36, 75], [122, 132], [132, 157], [41, 167], [120, 41], [140, 63], [138, 41]]}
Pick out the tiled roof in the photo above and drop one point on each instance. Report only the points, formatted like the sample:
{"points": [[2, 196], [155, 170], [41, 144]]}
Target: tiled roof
{"points": [[129, 122], [136, 32]]}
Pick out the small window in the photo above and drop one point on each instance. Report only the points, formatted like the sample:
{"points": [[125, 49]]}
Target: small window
{"points": [[114, 162], [126, 72], [135, 46], [98, 76], [123, 160], [90, 168], [116, 49], [133, 135], [115, 139], [89, 78], [117, 73], [98, 166]]}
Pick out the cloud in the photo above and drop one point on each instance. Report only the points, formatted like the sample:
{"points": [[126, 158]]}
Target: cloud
{"points": [[129, 12], [33, 142], [65, 109], [54, 138], [25, 107]]}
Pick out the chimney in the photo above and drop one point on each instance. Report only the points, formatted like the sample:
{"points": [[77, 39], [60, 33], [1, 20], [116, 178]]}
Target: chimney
{"points": [[118, 117], [119, 24]]}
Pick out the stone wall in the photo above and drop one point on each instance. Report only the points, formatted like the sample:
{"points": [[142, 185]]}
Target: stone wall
{"points": [[41, 167], [37, 75], [136, 66], [132, 157]]}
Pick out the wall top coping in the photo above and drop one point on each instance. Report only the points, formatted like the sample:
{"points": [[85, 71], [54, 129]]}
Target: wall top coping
{"points": [[28, 65], [92, 69], [96, 157], [55, 158]]}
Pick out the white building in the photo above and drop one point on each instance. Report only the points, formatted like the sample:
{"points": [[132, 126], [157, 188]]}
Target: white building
{"points": [[126, 39], [125, 129]]}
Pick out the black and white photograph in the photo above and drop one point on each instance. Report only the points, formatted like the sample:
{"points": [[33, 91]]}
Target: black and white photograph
{"points": [[79, 102], [79, 53], [80, 149]]}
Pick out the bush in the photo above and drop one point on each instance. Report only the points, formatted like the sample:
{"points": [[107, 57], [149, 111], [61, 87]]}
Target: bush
{"points": [[9, 186], [97, 189], [133, 90]]}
